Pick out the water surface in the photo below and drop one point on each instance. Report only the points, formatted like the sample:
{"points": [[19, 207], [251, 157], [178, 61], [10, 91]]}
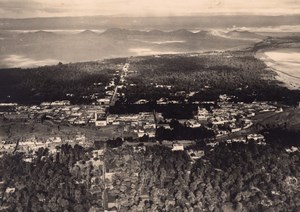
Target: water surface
{"points": [[286, 62]]}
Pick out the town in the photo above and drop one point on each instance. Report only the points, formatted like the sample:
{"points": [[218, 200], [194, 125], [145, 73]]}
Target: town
{"points": [[119, 145], [226, 119]]}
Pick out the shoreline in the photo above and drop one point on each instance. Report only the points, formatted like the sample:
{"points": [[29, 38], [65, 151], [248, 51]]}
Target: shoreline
{"points": [[285, 78]]}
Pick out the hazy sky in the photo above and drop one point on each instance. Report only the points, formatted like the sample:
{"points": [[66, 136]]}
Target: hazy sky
{"points": [[53, 8]]}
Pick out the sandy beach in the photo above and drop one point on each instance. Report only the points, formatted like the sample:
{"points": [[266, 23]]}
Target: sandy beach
{"points": [[286, 63]]}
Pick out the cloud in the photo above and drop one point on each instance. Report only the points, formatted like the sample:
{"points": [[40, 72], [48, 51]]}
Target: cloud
{"points": [[20, 5], [32, 8], [25, 8]]}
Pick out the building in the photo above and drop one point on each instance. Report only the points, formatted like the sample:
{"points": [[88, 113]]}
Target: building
{"points": [[100, 123], [192, 123], [141, 101], [111, 118], [202, 114], [255, 137], [104, 101], [195, 154], [178, 147]]}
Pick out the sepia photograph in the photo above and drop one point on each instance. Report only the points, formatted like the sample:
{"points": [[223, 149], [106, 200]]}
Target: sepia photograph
{"points": [[149, 106]]}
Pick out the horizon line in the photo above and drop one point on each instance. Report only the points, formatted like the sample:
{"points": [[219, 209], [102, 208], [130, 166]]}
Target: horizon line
{"points": [[172, 16]]}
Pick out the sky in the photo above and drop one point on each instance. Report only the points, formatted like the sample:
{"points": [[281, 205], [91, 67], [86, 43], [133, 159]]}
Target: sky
{"points": [[60, 8]]}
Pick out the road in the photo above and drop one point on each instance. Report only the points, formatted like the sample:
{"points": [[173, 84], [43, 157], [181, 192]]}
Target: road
{"points": [[123, 75]]}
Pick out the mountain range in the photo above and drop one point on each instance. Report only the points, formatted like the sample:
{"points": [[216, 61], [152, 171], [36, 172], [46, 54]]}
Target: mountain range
{"points": [[115, 42], [162, 23]]}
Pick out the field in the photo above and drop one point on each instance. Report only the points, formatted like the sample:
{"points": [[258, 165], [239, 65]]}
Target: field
{"points": [[15, 130]]}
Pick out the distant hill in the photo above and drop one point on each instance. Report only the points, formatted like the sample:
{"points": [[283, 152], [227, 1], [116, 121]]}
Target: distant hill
{"points": [[118, 33], [114, 42], [243, 35], [156, 32], [37, 36], [40, 33], [181, 34], [88, 33], [162, 23]]}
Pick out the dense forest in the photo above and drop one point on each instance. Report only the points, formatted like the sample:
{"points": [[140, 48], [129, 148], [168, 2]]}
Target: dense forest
{"points": [[235, 177], [281, 136], [46, 184], [51, 83], [234, 73], [230, 177]]}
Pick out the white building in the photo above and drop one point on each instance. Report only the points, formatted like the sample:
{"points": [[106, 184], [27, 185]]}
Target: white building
{"points": [[202, 114], [178, 147]]}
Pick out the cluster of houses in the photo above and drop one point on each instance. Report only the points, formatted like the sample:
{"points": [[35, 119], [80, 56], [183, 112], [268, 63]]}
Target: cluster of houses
{"points": [[56, 113], [224, 117], [143, 123], [229, 117], [31, 144], [257, 138]]}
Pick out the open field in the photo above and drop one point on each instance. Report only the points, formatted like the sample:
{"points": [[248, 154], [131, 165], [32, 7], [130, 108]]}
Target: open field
{"points": [[14, 130], [289, 119]]}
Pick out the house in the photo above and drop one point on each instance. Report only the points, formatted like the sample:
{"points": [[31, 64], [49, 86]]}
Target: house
{"points": [[61, 103], [128, 117], [239, 140], [10, 190], [221, 133], [212, 144], [100, 122], [178, 147], [161, 101], [192, 123], [109, 93], [217, 120], [292, 149], [151, 133], [8, 104], [104, 101], [224, 98], [255, 137], [196, 154], [111, 202], [111, 118], [186, 143], [141, 133], [80, 122], [141, 101], [45, 104], [180, 93], [202, 114], [236, 129], [139, 148], [144, 194], [164, 125]]}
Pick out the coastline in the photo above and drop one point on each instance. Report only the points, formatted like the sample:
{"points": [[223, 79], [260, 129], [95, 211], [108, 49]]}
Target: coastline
{"points": [[284, 75]]}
